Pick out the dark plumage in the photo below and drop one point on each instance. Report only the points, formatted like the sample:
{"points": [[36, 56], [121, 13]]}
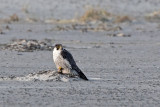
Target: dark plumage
{"points": [[66, 55]]}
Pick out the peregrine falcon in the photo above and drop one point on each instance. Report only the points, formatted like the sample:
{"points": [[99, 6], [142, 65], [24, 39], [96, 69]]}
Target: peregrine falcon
{"points": [[65, 63]]}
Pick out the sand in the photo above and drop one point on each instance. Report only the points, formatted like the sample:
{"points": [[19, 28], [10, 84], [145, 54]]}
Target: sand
{"points": [[122, 70]]}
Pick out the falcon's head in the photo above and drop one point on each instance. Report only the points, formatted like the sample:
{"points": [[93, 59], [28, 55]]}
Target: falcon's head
{"points": [[58, 47]]}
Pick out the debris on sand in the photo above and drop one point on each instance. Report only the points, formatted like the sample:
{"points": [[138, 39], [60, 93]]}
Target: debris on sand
{"points": [[101, 15], [93, 14], [86, 27], [1, 31], [14, 17], [8, 28], [123, 35], [42, 76], [121, 19], [29, 45], [31, 20], [154, 16], [120, 35], [25, 8]]}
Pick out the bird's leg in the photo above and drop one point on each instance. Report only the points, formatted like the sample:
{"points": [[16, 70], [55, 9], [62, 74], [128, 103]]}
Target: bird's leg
{"points": [[60, 69]]}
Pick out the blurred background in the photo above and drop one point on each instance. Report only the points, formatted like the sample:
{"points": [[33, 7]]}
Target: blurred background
{"points": [[71, 10], [71, 15]]}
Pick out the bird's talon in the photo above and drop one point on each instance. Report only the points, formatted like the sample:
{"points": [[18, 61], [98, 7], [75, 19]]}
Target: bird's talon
{"points": [[60, 70]]}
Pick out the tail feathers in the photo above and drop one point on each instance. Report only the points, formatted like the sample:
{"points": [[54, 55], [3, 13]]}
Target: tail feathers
{"points": [[81, 75]]}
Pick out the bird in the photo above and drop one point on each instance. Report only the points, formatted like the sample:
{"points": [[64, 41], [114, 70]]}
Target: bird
{"points": [[65, 62]]}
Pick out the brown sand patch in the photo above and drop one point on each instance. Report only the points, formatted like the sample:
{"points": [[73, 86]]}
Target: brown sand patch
{"points": [[121, 19], [93, 14]]}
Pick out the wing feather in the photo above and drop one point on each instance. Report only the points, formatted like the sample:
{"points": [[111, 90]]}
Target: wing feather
{"points": [[69, 61], [69, 58]]}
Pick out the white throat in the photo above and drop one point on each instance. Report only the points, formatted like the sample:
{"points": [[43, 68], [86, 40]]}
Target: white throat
{"points": [[56, 53]]}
